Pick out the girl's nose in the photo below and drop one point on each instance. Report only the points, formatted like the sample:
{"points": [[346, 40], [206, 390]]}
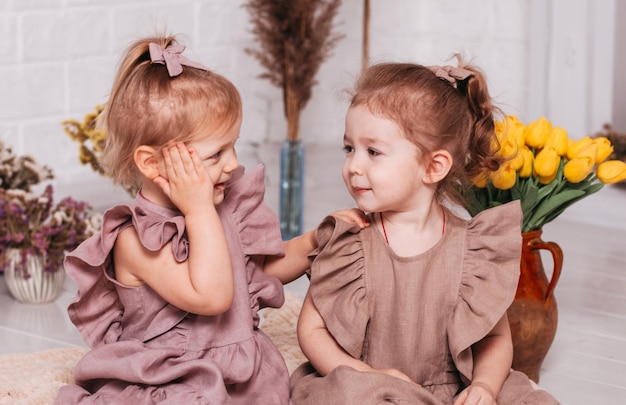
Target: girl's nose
{"points": [[353, 166], [232, 163]]}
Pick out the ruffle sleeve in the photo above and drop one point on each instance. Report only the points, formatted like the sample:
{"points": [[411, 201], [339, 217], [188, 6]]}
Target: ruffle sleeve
{"points": [[338, 287], [258, 232], [257, 224], [96, 310], [491, 266]]}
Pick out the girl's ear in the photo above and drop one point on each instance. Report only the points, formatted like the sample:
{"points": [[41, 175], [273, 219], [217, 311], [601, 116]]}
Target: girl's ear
{"points": [[438, 167], [147, 161]]}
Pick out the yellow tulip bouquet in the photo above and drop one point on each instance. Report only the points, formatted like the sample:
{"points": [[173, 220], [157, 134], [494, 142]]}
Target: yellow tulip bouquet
{"points": [[544, 169]]}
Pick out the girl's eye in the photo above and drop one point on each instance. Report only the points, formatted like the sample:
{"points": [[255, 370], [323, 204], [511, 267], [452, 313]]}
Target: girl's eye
{"points": [[373, 152], [216, 156], [348, 149]]}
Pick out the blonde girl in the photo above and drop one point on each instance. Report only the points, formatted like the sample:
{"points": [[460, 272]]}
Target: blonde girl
{"points": [[169, 290]]}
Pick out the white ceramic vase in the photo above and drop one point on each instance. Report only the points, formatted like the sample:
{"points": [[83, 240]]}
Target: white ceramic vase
{"points": [[39, 287]]}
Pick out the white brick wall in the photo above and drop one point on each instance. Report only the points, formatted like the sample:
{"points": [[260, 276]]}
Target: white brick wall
{"points": [[58, 57]]}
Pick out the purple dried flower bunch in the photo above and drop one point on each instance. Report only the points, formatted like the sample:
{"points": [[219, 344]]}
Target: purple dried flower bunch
{"points": [[31, 222], [20, 172]]}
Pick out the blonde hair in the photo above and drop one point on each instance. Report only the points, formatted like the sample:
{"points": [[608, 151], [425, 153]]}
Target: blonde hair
{"points": [[148, 107]]}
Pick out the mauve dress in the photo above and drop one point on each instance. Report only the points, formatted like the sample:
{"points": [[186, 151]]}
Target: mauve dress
{"points": [[418, 314], [147, 351]]}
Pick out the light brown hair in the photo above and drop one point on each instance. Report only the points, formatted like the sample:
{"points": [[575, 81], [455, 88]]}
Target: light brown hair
{"points": [[434, 114], [148, 107]]}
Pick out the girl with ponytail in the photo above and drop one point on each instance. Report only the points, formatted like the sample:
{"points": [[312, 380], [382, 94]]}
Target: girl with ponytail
{"points": [[412, 309], [169, 291]]}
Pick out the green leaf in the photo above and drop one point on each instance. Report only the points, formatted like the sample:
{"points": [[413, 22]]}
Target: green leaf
{"points": [[594, 188], [476, 200], [555, 203], [546, 189], [585, 185], [590, 190], [530, 198], [519, 188]]}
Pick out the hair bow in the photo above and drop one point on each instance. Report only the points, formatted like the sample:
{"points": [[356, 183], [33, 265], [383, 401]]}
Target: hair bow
{"points": [[451, 73], [172, 58]]}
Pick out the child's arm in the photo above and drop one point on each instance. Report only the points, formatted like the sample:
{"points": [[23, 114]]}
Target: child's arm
{"points": [[295, 261], [322, 349], [318, 345], [493, 356], [203, 284]]}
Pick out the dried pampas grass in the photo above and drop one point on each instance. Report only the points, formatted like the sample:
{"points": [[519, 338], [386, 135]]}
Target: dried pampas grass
{"points": [[295, 37]]}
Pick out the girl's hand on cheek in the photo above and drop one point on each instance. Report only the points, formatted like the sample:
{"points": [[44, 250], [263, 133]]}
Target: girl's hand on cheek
{"points": [[188, 185]]}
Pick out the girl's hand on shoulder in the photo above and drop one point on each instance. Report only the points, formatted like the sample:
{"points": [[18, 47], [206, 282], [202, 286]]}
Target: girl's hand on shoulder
{"points": [[352, 215], [187, 183], [476, 394]]}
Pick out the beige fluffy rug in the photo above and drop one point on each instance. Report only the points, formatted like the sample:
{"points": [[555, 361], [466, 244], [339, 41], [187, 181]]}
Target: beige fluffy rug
{"points": [[34, 378]]}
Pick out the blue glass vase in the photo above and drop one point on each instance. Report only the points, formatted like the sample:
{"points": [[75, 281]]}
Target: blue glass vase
{"points": [[291, 188]]}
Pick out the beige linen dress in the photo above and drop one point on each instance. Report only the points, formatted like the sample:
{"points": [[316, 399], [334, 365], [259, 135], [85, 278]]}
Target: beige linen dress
{"points": [[417, 314]]}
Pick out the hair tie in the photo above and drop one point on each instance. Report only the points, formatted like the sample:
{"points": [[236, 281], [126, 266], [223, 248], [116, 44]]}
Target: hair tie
{"points": [[172, 58], [451, 73]]}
